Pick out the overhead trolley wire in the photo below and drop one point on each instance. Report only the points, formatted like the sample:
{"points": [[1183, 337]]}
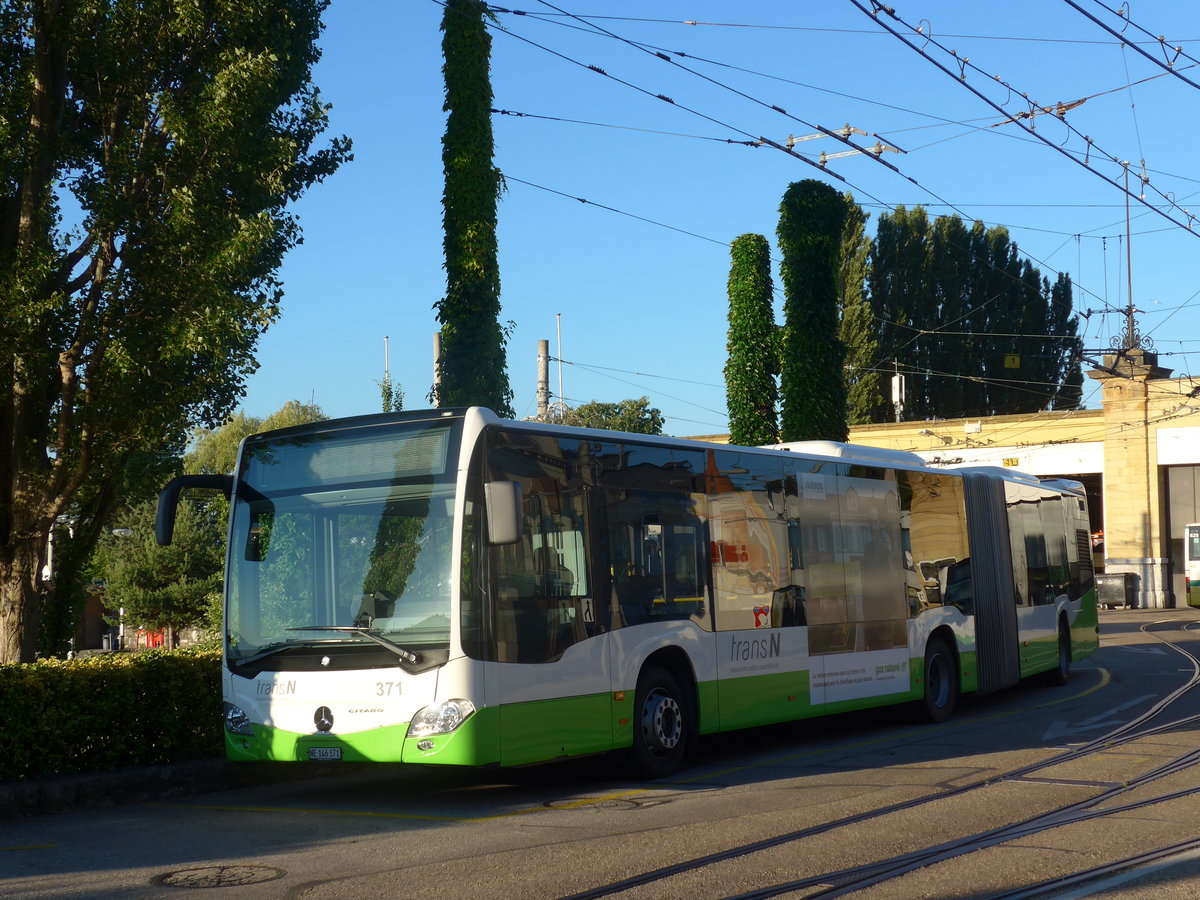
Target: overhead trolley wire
{"points": [[1169, 66], [880, 10], [777, 145], [658, 96], [613, 209], [667, 59], [768, 142], [813, 28], [779, 109]]}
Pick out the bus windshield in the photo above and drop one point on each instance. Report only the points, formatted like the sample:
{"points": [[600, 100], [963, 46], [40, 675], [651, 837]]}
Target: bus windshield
{"points": [[339, 538]]}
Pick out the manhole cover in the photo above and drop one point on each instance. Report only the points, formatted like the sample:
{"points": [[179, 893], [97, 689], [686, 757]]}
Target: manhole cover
{"points": [[219, 876]]}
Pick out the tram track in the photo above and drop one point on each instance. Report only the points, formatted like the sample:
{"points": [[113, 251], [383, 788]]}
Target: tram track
{"points": [[856, 878]]}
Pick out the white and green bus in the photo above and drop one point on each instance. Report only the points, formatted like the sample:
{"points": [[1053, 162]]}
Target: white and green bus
{"points": [[1191, 564], [447, 587]]}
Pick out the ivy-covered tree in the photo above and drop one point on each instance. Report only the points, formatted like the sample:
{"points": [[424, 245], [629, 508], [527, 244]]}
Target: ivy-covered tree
{"points": [[148, 155], [857, 327], [752, 360], [812, 359], [472, 368]]}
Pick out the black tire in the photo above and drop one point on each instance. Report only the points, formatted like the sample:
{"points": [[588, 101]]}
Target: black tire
{"points": [[941, 682], [1061, 673], [661, 725]]}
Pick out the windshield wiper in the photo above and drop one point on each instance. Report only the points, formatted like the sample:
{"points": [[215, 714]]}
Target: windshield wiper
{"points": [[408, 656]]}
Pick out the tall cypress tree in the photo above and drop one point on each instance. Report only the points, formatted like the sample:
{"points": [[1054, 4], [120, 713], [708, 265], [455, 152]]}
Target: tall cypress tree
{"points": [[1069, 350], [857, 327], [752, 361], [813, 390], [954, 344], [902, 297], [472, 368]]}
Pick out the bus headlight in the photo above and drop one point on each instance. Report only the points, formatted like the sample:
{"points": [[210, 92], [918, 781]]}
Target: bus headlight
{"points": [[236, 720], [440, 718]]}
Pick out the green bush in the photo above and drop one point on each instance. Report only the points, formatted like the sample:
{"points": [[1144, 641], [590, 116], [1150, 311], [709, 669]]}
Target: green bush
{"points": [[108, 711]]}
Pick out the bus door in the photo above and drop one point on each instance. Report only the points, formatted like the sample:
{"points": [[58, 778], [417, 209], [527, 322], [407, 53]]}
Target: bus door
{"points": [[551, 675], [1038, 591]]}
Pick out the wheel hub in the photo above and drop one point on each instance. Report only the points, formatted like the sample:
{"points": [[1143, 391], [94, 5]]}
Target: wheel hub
{"points": [[662, 722]]}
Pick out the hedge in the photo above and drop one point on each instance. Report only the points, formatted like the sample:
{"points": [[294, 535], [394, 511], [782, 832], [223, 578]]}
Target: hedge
{"points": [[108, 711]]}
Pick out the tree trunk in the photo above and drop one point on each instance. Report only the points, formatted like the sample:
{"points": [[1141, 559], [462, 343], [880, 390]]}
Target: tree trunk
{"points": [[20, 576]]}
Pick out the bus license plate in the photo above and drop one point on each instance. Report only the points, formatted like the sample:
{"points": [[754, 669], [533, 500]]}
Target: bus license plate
{"points": [[324, 752]]}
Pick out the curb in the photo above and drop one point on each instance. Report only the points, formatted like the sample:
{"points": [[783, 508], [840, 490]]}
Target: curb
{"points": [[144, 784]]}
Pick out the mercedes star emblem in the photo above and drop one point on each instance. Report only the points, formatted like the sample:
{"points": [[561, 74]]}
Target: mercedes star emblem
{"points": [[323, 717]]}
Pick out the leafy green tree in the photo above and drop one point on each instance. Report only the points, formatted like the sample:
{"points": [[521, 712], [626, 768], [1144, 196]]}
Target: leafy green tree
{"points": [[148, 155], [634, 416], [472, 365], [856, 327], [812, 388], [214, 450], [134, 477], [390, 396], [162, 587], [752, 362]]}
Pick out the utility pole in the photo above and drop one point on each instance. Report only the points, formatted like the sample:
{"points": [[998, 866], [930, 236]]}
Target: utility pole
{"points": [[1130, 329], [558, 324], [543, 381]]}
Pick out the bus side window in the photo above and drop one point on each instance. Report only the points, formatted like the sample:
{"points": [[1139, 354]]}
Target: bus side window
{"points": [[658, 559]]}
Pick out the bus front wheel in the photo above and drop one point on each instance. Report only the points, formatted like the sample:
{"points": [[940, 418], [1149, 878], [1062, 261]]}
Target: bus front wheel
{"points": [[660, 733], [941, 681]]}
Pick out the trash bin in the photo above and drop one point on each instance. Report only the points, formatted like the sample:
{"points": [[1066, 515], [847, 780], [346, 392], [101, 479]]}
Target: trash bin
{"points": [[1114, 589], [106, 641]]}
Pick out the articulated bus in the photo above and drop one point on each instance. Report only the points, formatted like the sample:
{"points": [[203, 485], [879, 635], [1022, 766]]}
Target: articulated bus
{"points": [[447, 587], [1191, 563]]}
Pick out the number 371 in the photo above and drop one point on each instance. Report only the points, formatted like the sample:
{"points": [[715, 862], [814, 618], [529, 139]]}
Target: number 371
{"points": [[387, 688]]}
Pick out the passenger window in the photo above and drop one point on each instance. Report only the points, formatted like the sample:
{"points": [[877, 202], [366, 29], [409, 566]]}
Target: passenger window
{"points": [[656, 554]]}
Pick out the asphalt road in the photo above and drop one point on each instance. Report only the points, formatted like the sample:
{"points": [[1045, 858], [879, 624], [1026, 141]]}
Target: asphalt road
{"points": [[1027, 787]]}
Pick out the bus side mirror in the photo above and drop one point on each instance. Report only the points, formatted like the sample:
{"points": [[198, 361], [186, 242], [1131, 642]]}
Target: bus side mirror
{"points": [[168, 500], [503, 502]]}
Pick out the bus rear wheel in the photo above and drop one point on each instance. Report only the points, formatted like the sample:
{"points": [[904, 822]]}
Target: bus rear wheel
{"points": [[1061, 673], [661, 725], [941, 681]]}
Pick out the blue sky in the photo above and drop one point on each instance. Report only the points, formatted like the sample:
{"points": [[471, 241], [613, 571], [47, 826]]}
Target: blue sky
{"points": [[638, 273]]}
